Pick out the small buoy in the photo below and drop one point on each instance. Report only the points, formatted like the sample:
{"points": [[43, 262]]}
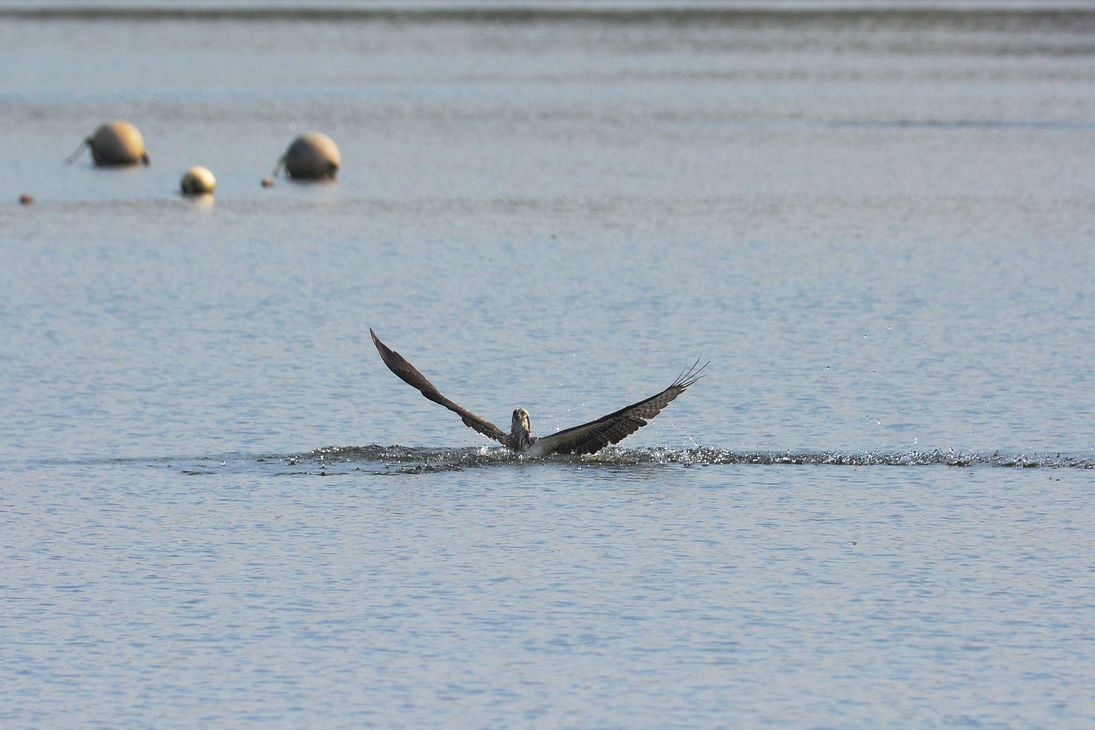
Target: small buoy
{"points": [[311, 156], [26, 199], [113, 144], [198, 181], [268, 182]]}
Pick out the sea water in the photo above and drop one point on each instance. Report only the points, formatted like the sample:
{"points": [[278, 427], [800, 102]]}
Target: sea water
{"points": [[217, 507]]}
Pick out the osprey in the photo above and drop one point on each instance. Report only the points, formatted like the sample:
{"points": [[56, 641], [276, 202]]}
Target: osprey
{"points": [[585, 439]]}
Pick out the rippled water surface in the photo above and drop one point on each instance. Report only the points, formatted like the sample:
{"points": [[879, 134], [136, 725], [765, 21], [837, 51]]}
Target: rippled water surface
{"points": [[217, 507]]}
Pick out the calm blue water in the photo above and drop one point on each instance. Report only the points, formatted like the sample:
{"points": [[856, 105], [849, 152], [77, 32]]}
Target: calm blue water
{"points": [[217, 507]]}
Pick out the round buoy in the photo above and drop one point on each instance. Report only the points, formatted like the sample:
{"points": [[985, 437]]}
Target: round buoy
{"points": [[198, 181], [268, 182], [115, 143], [26, 199], [311, 156]]}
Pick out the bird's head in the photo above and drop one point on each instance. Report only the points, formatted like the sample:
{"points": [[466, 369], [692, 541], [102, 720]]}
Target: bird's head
{"points": [[521, 422]]}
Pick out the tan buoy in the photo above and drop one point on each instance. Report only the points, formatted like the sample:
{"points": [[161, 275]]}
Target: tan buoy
{"points": [[311, 156], [198, 181], [26, 199], [114, 144]]}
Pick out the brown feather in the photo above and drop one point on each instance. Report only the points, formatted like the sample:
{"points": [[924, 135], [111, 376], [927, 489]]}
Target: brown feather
{"points": [[584, 439], [613, 428], [410, 375]]}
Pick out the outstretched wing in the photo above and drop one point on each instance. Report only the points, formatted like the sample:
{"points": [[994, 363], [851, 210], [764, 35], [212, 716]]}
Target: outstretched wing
{"points": [[595, 435], [407, 372]]}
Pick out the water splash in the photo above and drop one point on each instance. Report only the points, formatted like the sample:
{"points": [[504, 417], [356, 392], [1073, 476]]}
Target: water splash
{"points": [[417, 460], [394, 460]]}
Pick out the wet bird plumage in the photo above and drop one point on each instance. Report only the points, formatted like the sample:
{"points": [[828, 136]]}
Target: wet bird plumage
{"points": [[587, 438]]}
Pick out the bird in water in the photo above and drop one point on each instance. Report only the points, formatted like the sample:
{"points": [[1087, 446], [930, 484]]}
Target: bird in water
{"points": [[585, 439]]}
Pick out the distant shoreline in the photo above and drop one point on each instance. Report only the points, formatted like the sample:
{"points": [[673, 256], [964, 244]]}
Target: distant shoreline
{"points": [[1005, 15]]}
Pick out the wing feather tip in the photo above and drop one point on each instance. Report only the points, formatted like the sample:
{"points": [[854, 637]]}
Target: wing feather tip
{"points": [[380, 346], [691, 375]]}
